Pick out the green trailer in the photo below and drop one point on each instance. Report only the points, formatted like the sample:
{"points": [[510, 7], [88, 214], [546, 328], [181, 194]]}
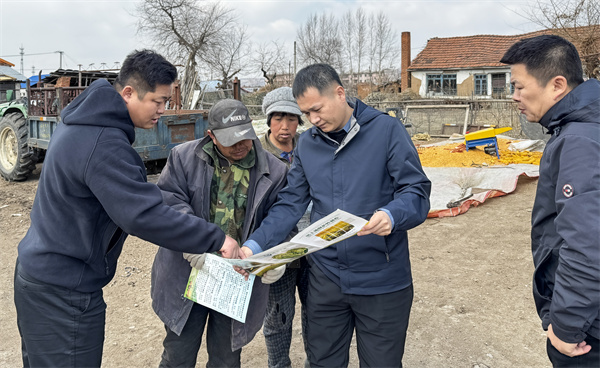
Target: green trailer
{"points": [[26, 126]]}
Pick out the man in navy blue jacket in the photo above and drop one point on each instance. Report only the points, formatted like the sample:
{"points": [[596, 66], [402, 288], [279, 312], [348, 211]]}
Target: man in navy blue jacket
{"points": [[93, 192], [360, 160], [547, 75]]}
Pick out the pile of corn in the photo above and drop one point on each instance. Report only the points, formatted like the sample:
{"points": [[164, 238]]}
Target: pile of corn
{"points": [[456, 155]]}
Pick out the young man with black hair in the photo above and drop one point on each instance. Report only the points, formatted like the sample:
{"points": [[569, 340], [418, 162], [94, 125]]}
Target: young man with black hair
{"points": [[547, 75], [93, 192], [360, 160]]}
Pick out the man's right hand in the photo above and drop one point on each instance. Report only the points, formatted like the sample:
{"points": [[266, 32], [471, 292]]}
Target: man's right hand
{"points": [[565, 348], [230, 248], [245, 252]]}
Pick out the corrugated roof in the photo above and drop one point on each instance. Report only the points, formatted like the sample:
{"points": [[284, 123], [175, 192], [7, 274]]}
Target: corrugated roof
{"points": [[8, 73], [480, 51]]}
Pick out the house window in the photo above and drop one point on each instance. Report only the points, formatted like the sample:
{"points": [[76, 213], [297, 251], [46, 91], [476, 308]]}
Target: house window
{"points": [[498, 85], [444, 84], [481, 84]]}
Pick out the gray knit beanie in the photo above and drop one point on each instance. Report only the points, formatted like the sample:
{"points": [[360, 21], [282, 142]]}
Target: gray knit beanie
{"points": [[280, 100]]}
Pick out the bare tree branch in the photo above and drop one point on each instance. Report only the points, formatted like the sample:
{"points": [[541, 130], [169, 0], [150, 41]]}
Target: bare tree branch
{"points": [[319, 42], [270, 58], [183, 30], [229, 54], [576, 20]]}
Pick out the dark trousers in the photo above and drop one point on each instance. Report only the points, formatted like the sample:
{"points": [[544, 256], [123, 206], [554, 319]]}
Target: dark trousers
{"points": [[58, 327], [591, 359], [380, 321], [182, 350]]}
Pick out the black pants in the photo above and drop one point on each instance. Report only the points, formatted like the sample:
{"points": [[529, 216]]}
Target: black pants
{"points": [[182, 351], [380, 321], [59, 327], [591, 359]]}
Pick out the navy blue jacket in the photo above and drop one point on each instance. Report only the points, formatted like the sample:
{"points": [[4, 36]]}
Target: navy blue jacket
{"points": [[565, 235], [93, 192], [375, 166]]}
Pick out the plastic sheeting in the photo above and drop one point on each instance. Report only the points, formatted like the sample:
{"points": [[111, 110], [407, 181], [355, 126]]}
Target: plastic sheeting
{"points": [[475, 185]]}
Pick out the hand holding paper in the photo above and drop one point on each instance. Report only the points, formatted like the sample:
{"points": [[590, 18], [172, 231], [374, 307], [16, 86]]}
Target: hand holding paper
{"points": [[196, 260], [273, 275], [379, 224], [230, 248]]}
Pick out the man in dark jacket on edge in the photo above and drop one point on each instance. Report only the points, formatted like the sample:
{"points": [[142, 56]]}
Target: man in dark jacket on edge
{"points": [[228, 179], [360, 160], [547, 75], [93, 192]]}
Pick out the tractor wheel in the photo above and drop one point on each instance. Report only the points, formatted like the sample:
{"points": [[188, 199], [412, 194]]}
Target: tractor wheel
{"points": [[16, 160]]}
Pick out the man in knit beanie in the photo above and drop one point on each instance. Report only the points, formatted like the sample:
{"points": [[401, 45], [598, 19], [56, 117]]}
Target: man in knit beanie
{"points": [[283, 118]]}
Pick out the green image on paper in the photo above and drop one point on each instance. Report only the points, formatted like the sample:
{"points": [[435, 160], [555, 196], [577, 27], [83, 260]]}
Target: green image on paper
{"points": [[292, 253]]}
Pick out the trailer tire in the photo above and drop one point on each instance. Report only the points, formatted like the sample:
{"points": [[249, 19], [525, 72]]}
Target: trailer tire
{"points": [[16, 160]]}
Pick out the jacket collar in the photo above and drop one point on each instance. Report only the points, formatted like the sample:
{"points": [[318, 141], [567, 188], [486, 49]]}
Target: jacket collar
{"points": [[360, 116], [581, 104]]}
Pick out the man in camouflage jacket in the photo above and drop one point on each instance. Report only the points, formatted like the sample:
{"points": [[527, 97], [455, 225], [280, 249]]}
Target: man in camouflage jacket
{"points": [[228, 179]]}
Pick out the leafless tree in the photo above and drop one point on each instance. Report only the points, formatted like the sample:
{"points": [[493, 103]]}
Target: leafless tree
{"points": [[575, 20], [183, 30], [348, 28], [318, 41], [355, 43], [229, 54], [386, 51], [360, 21], [270, 58]]}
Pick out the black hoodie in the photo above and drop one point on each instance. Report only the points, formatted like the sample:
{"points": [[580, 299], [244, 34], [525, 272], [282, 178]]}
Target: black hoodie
{"points": [[93, 192]]}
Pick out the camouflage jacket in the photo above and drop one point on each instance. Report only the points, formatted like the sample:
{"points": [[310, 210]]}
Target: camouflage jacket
{"points": [[229, 191], [185, 182]]}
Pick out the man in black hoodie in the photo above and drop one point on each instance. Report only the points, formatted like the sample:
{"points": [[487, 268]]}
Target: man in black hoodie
{"points": [[93, 192], [547, 75]]}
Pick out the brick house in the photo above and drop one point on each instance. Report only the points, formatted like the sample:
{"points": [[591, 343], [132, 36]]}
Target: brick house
{"points": [[465, 67]]}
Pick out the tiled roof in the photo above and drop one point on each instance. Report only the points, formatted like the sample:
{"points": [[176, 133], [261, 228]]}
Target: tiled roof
{"points": [[5, 62], [481, 51]]}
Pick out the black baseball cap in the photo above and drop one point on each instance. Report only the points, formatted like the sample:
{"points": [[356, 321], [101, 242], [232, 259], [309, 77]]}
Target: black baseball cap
{"points": [[230, 122]]}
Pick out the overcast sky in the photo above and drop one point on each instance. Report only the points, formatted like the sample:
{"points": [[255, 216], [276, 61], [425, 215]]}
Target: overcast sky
{"points": [[104, 31]]}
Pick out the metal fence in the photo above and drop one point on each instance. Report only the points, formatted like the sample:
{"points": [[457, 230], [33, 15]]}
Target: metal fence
{"points": [[436, 117]]}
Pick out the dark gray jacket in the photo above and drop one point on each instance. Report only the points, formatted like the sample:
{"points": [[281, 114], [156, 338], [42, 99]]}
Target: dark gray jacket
{"points": [[565, 234], [185, 182]]}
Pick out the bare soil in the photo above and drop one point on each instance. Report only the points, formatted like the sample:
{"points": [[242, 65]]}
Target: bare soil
{"points": [[472, 278]]}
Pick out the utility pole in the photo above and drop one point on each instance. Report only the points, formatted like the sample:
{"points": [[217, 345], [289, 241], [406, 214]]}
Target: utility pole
{"points": [[294, 59], [61, 57], [22, 54]]}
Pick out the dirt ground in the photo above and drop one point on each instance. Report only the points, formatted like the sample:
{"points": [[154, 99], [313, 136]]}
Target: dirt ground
{"points": [[472, 281]]}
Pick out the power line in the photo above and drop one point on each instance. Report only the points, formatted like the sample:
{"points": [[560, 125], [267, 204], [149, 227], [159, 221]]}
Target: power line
{"points": [[39, 53]]}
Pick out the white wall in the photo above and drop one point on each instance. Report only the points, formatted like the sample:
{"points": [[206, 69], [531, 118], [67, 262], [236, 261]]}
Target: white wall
{"points": [[461, 76]]}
